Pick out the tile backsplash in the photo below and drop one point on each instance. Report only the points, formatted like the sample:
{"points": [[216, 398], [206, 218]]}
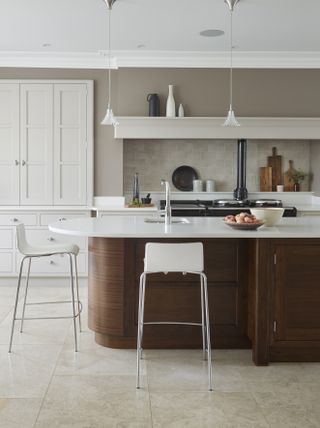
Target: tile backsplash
{"points": [[213, 159]]}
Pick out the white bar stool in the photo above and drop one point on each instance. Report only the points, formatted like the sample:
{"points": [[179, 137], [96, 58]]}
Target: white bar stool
{"points": [[30, 252], [184, 258]]}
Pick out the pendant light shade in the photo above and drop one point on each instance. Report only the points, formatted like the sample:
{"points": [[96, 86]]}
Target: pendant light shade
{"points": [[231, 119], [109, 118]]}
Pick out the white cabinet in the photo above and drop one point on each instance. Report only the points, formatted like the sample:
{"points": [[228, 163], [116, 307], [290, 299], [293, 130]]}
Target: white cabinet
{"points": [[9, 144], [46, 143], [37, 232], [70, 144], [36, 144]]}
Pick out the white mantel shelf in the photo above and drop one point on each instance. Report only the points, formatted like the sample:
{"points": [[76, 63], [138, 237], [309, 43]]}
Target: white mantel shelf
{"points": [[211, 128]]}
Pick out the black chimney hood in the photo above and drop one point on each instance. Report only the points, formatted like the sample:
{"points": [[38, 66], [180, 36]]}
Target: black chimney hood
{"points": [[241, 192]]}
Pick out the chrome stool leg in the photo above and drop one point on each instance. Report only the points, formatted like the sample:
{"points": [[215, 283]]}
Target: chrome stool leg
{"points": [[77, 290], [203, 320], [205, 286], [73, 304], [25, 296], [140, 325], [16, 303]]}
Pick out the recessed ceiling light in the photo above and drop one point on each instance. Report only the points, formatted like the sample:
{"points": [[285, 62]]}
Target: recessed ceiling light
{"points": [[211, 33], [141, 46], [46, 45]]}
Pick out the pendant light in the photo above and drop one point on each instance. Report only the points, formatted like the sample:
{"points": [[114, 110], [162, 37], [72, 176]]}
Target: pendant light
{"points": [[231, 119], [109, 118]]}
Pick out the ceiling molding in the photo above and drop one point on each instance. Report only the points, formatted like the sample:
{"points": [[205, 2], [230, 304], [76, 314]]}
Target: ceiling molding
{"points": [[160, 59]]}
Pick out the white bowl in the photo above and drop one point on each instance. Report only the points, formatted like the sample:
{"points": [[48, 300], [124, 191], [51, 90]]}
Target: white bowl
{"points": [[270, 216]]}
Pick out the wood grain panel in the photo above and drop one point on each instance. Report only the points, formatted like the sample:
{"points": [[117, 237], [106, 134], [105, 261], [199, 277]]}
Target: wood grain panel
{"points": [[106, 285]]}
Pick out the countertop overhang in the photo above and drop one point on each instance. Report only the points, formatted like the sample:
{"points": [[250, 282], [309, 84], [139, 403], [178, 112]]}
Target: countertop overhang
{"points": [[198, 227]]}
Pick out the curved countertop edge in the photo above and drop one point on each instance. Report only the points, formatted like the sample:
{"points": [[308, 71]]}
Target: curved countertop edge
{"points": [[199, 227]]}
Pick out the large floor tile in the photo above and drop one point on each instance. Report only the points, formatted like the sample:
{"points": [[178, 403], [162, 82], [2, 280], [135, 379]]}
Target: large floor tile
{"points": [[18, 413], [27, 371], [211, 409], [85, 402], [93, 359]]}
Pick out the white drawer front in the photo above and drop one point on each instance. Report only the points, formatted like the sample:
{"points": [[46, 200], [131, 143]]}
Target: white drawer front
{"points": [[6, 263], [45, 237], [6, 238], [46, 219], [131, 212], [16, 218], [53, 265]]}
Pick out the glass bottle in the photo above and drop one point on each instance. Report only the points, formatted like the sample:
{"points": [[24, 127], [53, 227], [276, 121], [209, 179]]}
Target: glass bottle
{"points": [[136, 196]]}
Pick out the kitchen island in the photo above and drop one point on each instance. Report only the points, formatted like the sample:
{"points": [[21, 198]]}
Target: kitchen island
{"points": [[264, 288]]}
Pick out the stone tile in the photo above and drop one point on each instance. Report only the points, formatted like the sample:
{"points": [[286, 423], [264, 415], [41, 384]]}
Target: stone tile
{"points": [[36, 332], [85, 402], [18, 413], [4, 311], [93, 359], [176, 370], [211, 409], [27, 371], [288, 416]]}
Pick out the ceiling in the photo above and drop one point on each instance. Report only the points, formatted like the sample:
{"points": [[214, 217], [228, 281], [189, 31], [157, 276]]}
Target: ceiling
{"points": [[157, 33]]}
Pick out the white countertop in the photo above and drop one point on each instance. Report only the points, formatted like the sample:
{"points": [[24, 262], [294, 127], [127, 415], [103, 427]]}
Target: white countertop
{"points": [[199, 227]]}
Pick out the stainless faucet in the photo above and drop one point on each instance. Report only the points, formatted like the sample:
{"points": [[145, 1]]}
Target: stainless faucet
{"points": [[167, 209]]}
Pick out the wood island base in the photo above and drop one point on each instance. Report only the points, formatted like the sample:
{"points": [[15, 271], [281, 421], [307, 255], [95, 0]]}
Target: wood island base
{"points": [[264, 294]]}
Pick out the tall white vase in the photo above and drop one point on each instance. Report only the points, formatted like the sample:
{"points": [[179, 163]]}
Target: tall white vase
{"points": [[171, 105]]}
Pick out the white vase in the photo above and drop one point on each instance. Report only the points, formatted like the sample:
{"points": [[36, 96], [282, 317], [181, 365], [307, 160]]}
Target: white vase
{"points": [[171, 105], [181, 111]]}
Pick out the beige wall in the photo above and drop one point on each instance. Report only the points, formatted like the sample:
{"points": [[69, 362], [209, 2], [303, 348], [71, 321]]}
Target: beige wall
{"points": [[203, 92]]}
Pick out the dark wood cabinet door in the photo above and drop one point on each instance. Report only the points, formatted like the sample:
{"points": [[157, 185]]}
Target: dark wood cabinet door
{"points": [[297, 291]]}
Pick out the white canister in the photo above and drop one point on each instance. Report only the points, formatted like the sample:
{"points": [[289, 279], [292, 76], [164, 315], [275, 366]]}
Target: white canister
{"points": [[209, 186], [197, 186]]}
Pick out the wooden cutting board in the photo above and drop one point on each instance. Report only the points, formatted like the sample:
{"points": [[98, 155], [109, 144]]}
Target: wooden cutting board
{"points": [[275, 161], [288, 185], [265, 179]]}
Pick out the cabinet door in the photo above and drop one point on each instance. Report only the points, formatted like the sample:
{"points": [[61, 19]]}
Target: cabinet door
{"points": [[9, 144], [36, 144], [297, 292], [70, 144]]}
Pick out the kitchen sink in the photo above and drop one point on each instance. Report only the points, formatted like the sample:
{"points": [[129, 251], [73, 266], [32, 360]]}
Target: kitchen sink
{"points": [[174, 220]]}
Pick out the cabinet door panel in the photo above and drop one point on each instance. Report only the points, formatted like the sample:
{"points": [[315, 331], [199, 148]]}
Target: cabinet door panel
{"points": [[70, 130], [36, 181], [297, 296], [9, 144]]}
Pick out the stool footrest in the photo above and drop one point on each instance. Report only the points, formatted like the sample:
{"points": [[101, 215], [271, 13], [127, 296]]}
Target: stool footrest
{"points": [[47, 318], [172, 323]]}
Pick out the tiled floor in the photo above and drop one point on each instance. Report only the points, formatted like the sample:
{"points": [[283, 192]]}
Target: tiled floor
{"points": [[44, 384]]}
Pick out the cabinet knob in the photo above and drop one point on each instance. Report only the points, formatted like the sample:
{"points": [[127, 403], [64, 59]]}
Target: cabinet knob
{"points": [[51, 262], [16, 162], [62, 219], [14, 220], [23, 163], [50, 239]]}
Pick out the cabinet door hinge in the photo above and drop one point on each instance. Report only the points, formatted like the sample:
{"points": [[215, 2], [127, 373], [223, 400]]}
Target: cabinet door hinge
{"points": [[275, 259], [274, 326]]}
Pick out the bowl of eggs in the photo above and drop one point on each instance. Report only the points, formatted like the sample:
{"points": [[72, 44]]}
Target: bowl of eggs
{"points": [[243, 221]]}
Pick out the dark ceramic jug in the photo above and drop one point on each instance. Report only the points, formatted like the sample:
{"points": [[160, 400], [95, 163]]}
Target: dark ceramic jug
{"points": [[154, 104]]}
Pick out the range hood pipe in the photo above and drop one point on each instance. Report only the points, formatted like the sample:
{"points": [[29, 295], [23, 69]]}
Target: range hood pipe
{"points": [[241, 192]]}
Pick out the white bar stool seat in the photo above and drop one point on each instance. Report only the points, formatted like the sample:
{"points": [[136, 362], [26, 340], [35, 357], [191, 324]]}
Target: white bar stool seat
{"points": [[29, 252], [184, 258]]}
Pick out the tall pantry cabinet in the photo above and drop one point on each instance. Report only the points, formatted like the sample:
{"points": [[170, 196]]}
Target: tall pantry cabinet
{"points": [[46, 156]]}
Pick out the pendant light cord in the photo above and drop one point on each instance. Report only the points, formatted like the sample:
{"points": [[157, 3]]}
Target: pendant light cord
{"points": [[231, 59], [109, 60]]}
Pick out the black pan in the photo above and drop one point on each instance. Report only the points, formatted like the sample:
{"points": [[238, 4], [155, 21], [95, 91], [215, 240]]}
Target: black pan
{"points": [[182, 178]]}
